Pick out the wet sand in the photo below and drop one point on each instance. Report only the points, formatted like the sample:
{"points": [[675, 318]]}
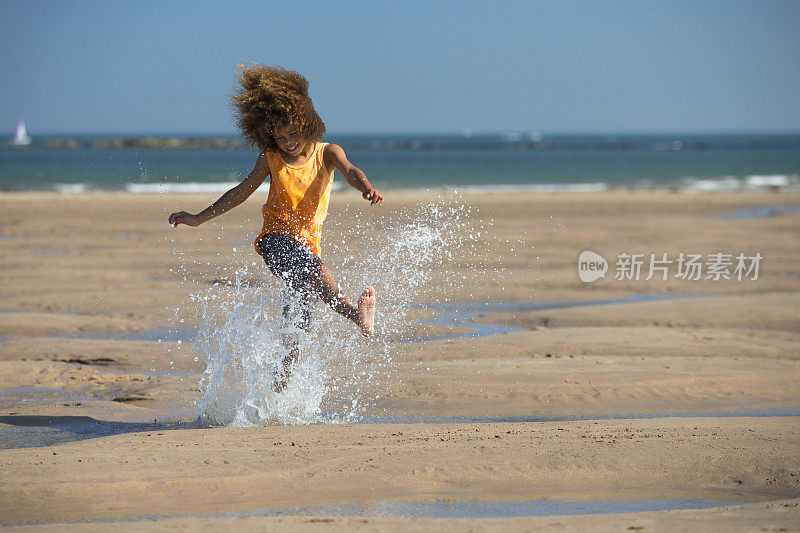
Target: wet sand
{"points": [[88, 279]]}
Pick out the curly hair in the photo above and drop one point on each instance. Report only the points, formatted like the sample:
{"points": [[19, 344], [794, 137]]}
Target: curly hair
{"points": [[271, 98]]}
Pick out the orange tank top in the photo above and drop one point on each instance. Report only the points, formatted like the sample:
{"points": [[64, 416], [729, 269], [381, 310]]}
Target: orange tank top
{"points": [[298, 198]]}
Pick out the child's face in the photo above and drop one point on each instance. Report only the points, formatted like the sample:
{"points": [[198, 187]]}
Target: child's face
{"points": [[288, 140]]}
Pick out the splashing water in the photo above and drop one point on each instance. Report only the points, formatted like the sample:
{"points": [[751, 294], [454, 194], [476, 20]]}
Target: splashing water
{"points": [[339, 374]]}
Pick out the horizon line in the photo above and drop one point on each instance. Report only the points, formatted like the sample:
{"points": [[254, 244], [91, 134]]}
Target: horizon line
{"points": [[466, 133]]}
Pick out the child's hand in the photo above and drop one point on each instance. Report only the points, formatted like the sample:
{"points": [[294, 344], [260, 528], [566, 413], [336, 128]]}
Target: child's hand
{"points": [[373, 196], [182, 217]]}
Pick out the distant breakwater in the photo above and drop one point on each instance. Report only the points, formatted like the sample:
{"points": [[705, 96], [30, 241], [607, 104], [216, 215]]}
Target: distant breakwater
{"points": [[423, 142], [145, 142], [380, 144]]}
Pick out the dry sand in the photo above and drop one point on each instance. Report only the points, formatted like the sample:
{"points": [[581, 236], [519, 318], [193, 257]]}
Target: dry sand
{"points": [[81, 274]]}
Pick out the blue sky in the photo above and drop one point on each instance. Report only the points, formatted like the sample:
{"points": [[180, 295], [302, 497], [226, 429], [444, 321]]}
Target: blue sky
{"points": [[600, 66]]}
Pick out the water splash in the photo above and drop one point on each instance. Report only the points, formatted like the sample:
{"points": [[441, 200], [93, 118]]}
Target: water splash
{"points": [[339, 375]]}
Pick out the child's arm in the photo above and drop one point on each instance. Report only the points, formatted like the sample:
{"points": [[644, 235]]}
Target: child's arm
{"points": [[334, 154], [229, 200]]}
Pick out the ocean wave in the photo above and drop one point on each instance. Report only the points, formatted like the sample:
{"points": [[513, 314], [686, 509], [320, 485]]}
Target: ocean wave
{"points": [[689, 184], [538, 187], [71, 188], [194, 187], [729, 183], [184, 187], [788, 182], [217, 187], [769, 181], [532, 187]]}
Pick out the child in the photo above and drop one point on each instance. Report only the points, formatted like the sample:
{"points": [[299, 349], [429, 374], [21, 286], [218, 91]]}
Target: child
{"points": [[275, 113]]}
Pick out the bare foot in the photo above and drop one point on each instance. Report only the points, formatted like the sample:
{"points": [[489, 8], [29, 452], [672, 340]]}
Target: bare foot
{"points": [[366, 311]]}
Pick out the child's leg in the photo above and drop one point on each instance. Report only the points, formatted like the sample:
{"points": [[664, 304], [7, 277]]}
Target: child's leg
{"points": [[363, 315], [291, 344], [303, 271], [296, 318], [285, 258]]}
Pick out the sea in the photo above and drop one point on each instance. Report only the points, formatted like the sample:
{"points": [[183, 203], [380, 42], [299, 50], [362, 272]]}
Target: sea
{"points": [[463, 161]]}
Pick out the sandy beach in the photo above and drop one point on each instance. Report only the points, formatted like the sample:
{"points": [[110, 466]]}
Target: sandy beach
{"points": [[610, 390]]}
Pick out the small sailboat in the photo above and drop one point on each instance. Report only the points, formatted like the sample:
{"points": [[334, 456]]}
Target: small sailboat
{"points": [[21, 137]]}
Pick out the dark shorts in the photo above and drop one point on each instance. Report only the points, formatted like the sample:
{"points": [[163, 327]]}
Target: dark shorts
{"points": [[296, 265]]}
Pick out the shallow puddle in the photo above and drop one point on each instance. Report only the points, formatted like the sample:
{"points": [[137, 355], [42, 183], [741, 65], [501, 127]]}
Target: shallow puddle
{"points": [[465, 314], [762, 211], [29, 431], [484, 509], [468, 419], [460, 315], [450, 509]]}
